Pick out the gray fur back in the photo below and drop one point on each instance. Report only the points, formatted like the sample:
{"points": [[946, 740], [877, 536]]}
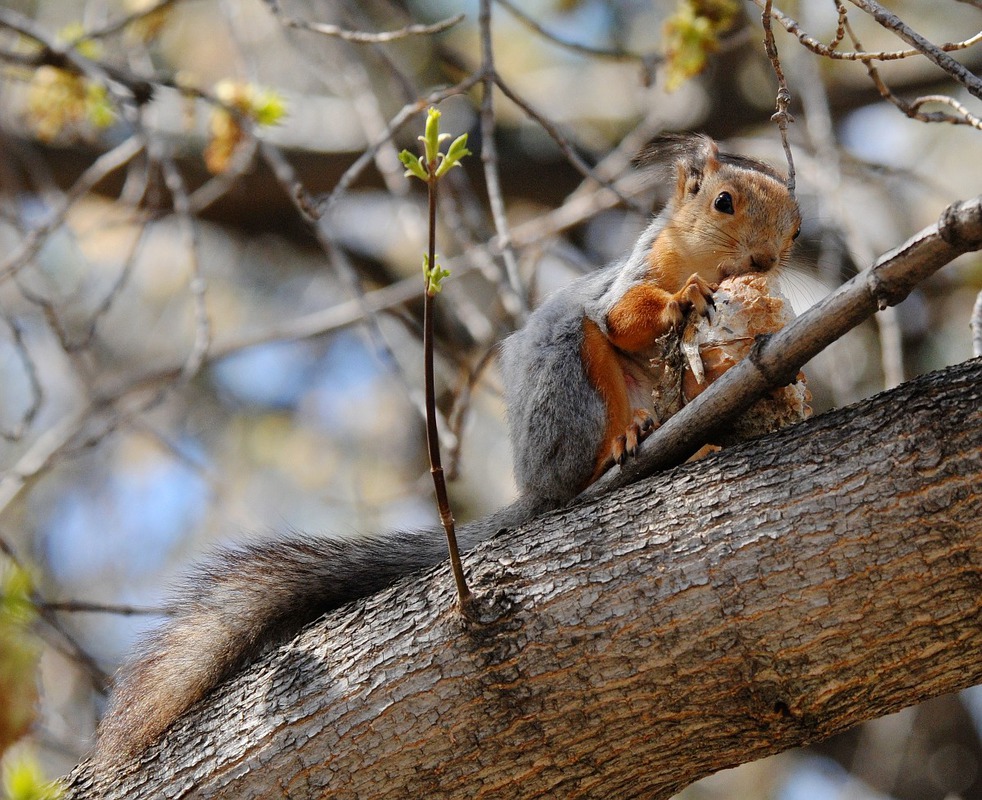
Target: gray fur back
{"points": [[555, 416]]}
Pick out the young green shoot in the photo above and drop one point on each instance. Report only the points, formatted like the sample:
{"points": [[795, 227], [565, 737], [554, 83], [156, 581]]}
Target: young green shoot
{"points": [[429, 168]]}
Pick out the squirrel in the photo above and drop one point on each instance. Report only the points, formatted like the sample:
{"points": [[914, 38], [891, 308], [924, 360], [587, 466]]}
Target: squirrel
{"points": [[578, 401]]}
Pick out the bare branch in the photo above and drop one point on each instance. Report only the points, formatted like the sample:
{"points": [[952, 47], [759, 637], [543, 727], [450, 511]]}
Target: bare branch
{"points": [[912, 109], [125, 21], [216, 187], [129, 262], [124, 86], [405, 114], [30, 370], [72, 345], [55, 634], [85, 607], [564, 145], [489, 157], [782, 117], [575, 211], [41, 454], [101, 168], [831, 50], [649, 63], [202, 325], [892, 22], [363, 37], [828, 181]]}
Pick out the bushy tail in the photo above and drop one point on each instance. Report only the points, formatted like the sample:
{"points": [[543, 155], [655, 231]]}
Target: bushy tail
{"points": [[243, 599]]}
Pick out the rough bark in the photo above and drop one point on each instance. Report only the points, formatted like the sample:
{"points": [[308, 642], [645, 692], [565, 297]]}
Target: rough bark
{"points": [[765, 597]]}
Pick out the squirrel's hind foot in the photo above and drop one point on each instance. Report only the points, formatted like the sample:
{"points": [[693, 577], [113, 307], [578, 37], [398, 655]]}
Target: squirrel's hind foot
{"points": [[626, 445]]}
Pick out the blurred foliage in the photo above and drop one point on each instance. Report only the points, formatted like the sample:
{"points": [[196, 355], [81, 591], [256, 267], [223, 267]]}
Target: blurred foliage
{"points": [[19, 654], [153, 16], [263, 106], [61, 101], [21, 778], [692, 34]]}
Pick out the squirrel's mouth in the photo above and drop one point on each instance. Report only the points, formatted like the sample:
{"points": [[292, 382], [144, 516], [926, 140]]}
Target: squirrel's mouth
{"points": [[752, 262]]}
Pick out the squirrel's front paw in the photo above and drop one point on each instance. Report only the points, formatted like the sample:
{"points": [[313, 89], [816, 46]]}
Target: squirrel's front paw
{"points": [[697, 294]]}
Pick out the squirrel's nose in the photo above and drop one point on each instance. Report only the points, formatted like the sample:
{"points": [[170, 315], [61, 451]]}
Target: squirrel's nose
{"points": [[763, 261]]}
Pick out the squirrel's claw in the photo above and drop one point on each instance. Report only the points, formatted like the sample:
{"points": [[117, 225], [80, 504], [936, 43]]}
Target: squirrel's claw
{"points": [[626, 445], [697, 294]]}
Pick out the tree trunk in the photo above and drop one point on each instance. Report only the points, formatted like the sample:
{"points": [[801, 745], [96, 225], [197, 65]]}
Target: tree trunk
{"points": [[762, 598]]}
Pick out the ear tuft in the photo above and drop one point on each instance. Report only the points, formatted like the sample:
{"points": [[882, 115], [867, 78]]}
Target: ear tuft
{"points": [[694, 155], [703, 154]]}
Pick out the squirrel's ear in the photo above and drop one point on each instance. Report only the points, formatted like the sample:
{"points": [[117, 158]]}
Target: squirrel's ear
{"points": [[709, 154], [688, 175], [698, 159], [698, 156]]}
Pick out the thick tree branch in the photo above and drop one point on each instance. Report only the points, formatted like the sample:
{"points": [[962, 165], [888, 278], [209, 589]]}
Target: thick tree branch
{"points": [[753, 601]]}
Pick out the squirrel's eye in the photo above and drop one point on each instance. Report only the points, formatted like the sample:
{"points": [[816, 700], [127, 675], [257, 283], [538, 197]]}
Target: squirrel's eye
{"points": [[723, 203], [797, 233]]}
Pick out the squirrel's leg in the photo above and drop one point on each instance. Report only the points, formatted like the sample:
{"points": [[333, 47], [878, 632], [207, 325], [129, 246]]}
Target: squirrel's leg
{"points": [[625, 427], [646, 312], [641, 316]]}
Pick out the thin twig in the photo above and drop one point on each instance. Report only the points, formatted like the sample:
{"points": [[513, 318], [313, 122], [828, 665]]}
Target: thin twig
{"points": [[462, 404], [197, 286], [404, 115], [30, 370], [86, 607], [859, 53], [362, 37], [101, 168], [123, 86], [563, 143], [782, 117], [648, 63], [360, 309], [66, 643], [431, 168], [129, 263], [115, 415], [931, 51], [819, 125], [125, 21], [72, 345], [464, 596], [288, 179], [489, 158], [831, 50], [41, 454], [241, 162], [912, 109]]}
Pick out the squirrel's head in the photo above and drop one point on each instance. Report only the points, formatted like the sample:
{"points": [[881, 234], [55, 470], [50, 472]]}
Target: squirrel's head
{"points": [[731, 215]]}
